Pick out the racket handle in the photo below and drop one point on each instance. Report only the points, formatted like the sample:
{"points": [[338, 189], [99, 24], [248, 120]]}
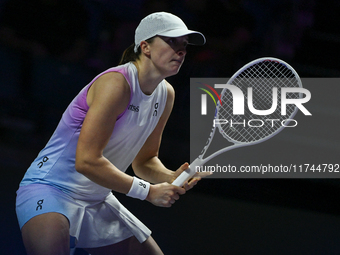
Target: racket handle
{"points": [[188, 173], [184, 176]]}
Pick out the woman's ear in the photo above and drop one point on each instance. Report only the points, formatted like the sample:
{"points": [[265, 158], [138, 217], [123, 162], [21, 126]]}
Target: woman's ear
{"points": [[145, 48]]}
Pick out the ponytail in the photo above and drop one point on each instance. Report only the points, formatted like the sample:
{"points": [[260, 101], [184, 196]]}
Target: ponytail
{"points": [[130, 55]]}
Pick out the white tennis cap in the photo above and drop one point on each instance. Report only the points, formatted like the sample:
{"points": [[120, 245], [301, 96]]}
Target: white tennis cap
{"points": [[165, 24]]}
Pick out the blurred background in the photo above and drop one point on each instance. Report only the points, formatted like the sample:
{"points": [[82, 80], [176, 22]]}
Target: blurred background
{"points": [[50, 49]]}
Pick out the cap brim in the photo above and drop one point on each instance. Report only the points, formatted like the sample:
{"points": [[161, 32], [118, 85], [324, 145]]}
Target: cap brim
{"points": [[195, 38]]}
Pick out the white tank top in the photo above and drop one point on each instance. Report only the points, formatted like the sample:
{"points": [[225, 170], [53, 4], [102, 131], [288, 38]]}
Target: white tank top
{"points": [[55, 164]]}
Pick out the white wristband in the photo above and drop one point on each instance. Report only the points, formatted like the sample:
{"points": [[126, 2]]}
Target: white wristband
{"points": [[139, 189]]}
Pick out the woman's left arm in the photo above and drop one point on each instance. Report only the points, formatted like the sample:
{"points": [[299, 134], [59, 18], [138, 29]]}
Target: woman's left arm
{"points": [[147, 165]]}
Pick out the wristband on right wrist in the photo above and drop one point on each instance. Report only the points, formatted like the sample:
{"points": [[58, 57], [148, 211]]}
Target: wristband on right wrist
{"points": [[139, 189]]}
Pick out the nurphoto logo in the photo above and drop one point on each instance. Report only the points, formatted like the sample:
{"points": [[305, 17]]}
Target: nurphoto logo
{"points": [[280, 100]]}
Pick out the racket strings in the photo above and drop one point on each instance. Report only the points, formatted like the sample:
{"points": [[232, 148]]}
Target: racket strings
{"points": [[262, 77]]}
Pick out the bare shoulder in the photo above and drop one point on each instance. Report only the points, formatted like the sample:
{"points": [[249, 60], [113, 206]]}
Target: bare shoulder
{"points": [[112, 85], [169, 100], [170, 90]]}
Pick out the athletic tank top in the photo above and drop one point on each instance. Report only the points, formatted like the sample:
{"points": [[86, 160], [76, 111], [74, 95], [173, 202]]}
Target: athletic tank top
{"points": [[55, 164]]}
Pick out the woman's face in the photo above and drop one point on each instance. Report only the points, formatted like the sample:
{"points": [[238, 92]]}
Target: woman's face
{"points": [[168, 53]]}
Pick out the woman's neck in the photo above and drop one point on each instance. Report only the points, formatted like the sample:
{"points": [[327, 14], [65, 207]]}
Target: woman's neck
{"points": [[148, 78]]}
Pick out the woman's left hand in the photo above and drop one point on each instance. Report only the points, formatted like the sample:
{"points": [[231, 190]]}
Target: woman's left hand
{"points": [[188, 184]]}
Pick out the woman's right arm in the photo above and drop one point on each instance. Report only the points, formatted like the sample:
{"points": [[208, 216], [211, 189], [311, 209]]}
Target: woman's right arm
{"points": [[107, 98]]}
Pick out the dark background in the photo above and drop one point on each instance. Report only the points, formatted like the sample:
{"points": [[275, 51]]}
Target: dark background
{"points": [[50, 49]]}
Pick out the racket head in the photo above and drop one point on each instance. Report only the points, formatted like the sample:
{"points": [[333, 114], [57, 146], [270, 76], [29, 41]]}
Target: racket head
{"points": [[262, 75]]}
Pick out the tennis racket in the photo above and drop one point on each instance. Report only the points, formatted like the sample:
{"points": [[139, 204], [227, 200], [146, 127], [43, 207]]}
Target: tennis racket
{"points": [[265, 76]]}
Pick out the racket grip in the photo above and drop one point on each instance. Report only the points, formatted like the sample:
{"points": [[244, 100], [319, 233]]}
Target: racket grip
{"points": [[184, 176]]}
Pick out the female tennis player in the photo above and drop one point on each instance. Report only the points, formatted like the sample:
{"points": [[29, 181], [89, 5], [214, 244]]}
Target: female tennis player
{"points": [[65, 198]]}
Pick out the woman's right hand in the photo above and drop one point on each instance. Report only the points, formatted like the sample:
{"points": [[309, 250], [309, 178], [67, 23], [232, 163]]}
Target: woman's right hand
{"points": [[164, 194]]}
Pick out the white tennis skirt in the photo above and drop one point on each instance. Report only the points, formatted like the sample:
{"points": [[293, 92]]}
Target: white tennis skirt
{"points": [[93, 223]]}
